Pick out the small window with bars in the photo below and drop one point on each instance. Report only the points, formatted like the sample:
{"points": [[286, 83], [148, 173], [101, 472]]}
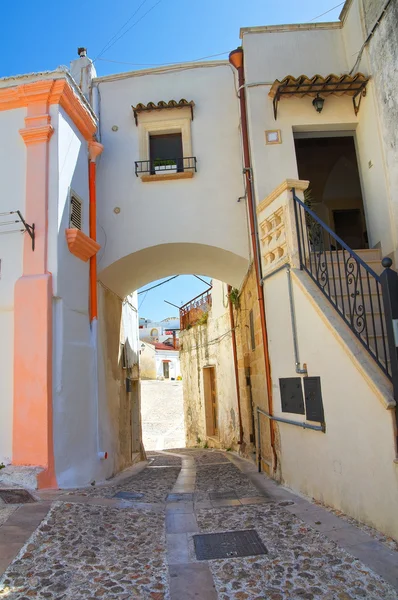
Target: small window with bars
{"points": [[76, 212]]}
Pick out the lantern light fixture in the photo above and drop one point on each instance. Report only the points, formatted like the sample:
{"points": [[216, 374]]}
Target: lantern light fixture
{"points": [[317, 103]]}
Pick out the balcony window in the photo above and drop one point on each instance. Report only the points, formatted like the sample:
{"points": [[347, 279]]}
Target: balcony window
{"points": [[165, 153], [165, 145]]}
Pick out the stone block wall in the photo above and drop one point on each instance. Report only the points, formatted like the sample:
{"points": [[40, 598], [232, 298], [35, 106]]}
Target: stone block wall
{"points": [[251, 368]]}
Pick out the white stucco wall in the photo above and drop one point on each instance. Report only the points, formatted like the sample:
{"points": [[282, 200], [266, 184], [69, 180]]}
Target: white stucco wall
{"points": [[13, 183], [75, 427], [273, 55], [199, 226], [351, 466], [174, 364]]}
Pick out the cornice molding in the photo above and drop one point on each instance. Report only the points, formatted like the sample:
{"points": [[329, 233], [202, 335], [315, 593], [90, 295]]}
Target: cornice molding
{"points": [[36, 135], [47, 92]]}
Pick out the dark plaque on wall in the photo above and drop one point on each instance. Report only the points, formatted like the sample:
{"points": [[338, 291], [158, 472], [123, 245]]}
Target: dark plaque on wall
{"points": [[292, 395], [313, 399]]}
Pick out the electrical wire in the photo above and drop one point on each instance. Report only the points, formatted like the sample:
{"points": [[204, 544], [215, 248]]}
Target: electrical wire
{"points": [[129, 29], [366, 42], [143, 300], [157, 285], [120, 62], [105, 48], [210, 343], [202, 280], [328, 11]]}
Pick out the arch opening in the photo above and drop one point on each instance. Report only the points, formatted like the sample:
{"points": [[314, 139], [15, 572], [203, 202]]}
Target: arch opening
{"points": [[156, 262]]}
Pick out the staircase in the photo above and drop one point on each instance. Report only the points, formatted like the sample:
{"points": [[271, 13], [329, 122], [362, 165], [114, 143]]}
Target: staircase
{"points": [[349, 279]]}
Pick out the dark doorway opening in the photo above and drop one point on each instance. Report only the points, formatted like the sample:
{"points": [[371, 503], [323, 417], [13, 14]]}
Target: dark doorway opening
{"points": [[330, 164], [166, 370], [211, 408]]}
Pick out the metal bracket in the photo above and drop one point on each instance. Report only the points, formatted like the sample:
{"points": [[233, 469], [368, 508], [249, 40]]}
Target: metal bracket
{"points": [[275, 105], [30, 229], [357, 104]]}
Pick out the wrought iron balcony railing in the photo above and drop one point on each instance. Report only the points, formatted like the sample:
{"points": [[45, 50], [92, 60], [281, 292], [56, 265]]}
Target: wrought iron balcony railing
{"points": [[193, 311], [171, 165]]}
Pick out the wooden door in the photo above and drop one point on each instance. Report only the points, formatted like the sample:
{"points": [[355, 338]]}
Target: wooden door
{"points": [[211, 409]]}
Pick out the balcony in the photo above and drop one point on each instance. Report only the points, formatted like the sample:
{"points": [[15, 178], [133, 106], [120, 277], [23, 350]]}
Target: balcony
{"points": [[195, 311], [172, 168]]}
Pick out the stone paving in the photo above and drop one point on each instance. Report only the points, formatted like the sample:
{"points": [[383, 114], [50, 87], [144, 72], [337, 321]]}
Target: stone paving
{"points": [[92, 546], [85, 552], [301, 563], [163, 460], [202, 457], [153, 484], [5, 512], [387, 541], [222, 478]]}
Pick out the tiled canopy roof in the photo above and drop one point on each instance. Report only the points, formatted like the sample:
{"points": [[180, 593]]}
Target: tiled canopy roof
{"points": [[162, 105], [337, 85]]}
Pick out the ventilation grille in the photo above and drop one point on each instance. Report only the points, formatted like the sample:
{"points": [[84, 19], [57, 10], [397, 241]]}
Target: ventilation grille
{"points": [[75, 213]]}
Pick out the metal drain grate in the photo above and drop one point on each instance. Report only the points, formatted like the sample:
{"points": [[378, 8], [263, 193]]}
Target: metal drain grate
{"points": [[179, 497], [227, 495], [16, 497], [230, 544], [129, 495]]}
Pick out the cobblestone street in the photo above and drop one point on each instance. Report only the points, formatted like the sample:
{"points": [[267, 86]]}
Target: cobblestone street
{"points": [[162, 414], [135, 539]]}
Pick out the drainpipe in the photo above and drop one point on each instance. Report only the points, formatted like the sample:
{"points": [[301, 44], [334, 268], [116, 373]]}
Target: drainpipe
{"points": [[232, 321], [94, 150], [236, 60]]}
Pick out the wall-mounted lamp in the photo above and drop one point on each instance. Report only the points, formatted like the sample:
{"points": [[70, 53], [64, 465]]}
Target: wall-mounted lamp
{"points": [[317, 103]]}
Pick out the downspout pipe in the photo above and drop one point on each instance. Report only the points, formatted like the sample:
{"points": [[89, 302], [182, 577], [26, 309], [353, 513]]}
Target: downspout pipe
{"points": [[236, 60], [94, 150], [235, 354]]}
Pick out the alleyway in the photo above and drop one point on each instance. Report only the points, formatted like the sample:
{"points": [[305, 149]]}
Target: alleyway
{"points": [[162, 414], [136, 538]]}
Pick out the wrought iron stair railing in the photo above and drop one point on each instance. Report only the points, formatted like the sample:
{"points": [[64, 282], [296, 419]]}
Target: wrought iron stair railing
{"points": [[348, 282]]}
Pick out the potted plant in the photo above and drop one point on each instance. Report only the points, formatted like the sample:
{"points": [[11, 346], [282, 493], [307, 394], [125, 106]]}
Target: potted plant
{"points": [[169, 165]]}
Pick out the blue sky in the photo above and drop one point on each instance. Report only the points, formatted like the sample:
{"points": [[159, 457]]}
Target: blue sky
{"points": [[40, 35], [178, 291]]}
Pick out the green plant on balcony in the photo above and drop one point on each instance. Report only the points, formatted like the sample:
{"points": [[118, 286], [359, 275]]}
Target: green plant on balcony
{"points": [[164, 162], [203, 319]]}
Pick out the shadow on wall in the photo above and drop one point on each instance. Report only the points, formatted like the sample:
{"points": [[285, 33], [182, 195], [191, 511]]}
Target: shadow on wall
{"points": [[117, 362]]}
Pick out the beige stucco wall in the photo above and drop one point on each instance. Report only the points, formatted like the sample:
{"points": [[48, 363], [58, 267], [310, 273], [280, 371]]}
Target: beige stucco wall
{"points": [[307, 49], [147, 361], [350, 467], [200, 347]]}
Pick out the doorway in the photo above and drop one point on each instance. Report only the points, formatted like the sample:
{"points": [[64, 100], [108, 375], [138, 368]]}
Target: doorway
{"points": [[166, 369], [210, 393], [329, 163]]}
